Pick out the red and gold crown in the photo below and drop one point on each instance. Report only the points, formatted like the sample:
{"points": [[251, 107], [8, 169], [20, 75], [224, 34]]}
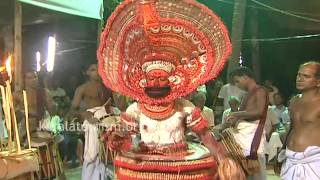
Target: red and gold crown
{"points": [[182, 37]]}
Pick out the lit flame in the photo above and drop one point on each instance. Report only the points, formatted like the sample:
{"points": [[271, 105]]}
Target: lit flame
{"points": [[38, 59], [8, 67], [51, 53], [2, 68]]}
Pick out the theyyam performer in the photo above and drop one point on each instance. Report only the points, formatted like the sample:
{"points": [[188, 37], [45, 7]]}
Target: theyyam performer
{"points": [[157, 52]]}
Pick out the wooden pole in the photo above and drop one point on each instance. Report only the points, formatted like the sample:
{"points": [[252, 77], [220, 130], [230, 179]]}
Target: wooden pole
{"points": [[255, 60], [26, 112], [13, 115], [6, 115], [9, 118], [238, 21], [17, 46]]}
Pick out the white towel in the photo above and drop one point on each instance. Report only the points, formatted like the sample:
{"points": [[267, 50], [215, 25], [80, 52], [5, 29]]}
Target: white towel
{"points": [[91, 147], [93, 167]]}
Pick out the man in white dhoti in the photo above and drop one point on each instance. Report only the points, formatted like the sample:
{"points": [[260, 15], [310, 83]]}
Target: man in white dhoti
{"points": [[249, 121], [303, 143], [94, 166], [273, 144]]}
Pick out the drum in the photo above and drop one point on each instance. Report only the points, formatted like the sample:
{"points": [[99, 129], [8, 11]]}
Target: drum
{"points": [[49, 158], [108, 122], [19, 166], [105, 124], [250, 166]]}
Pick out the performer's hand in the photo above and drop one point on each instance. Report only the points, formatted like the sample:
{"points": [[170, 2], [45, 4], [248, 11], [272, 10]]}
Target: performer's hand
{"points": [[119, 142], [115, 141], [230, 170]]}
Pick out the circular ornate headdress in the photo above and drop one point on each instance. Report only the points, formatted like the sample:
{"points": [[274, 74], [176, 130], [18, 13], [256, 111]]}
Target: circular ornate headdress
{"points": [[182, 37]]}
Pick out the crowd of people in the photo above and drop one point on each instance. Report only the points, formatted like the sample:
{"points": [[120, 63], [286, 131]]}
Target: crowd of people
{"points": [[282, 119]]}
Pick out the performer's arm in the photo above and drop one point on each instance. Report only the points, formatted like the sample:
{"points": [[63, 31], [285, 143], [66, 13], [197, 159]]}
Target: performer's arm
{"points": [[214, 147], [119, 139], [198, 124], [228, 168]]}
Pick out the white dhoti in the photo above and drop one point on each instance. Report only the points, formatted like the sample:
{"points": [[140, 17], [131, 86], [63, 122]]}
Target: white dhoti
{"points": [[95, 170], [244, 133], [93, 167], [302, 165], [273, 146]]}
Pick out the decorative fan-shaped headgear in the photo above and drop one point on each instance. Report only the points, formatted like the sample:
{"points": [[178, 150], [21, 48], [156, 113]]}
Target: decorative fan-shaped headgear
{"points": [[181, 37]]}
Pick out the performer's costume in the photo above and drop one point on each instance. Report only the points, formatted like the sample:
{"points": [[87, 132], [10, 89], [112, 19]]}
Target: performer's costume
{"points": [[183, 39]]}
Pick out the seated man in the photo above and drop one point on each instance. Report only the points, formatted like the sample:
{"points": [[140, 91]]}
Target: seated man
{"points": [[234, 104], [199, 100]]}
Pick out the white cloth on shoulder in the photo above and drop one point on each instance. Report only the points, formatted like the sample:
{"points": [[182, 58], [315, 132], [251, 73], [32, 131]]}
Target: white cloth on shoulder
{"points": [[91, 147], [302, 165]]}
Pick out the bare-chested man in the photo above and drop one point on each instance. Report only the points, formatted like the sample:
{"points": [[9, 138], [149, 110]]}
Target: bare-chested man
{"points": [[90, 94], [87, 103], [39, 102], [247, 119], [303, 143]]}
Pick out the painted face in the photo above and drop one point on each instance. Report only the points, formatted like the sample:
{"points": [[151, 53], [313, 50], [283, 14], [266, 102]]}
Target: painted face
{"points": [[157, 83], [240, 82], [306, 78], [92, 72], [31, 79]]}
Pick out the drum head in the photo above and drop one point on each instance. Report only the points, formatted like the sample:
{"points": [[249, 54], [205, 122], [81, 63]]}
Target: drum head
{"points": [[41, 138], [195, 152]]}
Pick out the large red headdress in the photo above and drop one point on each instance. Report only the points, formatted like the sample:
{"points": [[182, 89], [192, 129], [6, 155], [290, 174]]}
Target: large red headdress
{"points": [[182, 37]]}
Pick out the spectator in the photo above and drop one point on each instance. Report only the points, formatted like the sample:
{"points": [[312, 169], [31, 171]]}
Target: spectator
{"points": [[268, 84], [230, 90], [199, 101]]}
